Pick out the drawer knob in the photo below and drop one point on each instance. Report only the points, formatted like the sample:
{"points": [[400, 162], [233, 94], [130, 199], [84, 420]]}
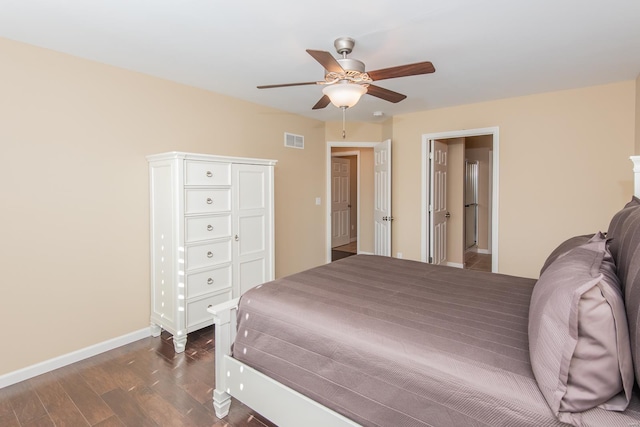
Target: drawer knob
{"points": [[209, 254], [210, 281], [237, 237], [209, 174], [210, 305], [209, 200], [209, 227]]}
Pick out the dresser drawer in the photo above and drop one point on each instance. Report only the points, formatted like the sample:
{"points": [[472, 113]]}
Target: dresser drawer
{"points": [[207, 200], [207, 173], [197, 314], [208, 255], [208, 281], [207, 227]]}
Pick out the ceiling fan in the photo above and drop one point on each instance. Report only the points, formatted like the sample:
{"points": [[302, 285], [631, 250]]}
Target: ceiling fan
{"points": [[345, 79]]}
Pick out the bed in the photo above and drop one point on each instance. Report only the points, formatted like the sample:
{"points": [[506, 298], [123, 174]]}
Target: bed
{"points": [[378, 341]]}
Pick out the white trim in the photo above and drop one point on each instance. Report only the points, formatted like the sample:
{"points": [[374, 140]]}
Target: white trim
{"points": [[330, 145], [495, 132], [365, 253], [454, 264], [69, 358], [483, 251], [208, 158]]}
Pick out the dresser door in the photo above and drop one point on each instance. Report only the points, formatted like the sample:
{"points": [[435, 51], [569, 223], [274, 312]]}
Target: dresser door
{"points": [[252, 226]]}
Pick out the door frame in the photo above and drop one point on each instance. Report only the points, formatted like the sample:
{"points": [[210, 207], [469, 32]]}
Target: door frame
{"points": [[341, 144], [424, 235]]}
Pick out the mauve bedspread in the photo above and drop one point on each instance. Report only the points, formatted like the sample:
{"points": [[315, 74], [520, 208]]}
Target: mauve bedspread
{"points": [[390, 342]]}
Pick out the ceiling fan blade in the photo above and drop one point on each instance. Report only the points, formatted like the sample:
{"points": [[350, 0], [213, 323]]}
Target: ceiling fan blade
{"points": [[386, 94], [402, 71], [287, 84], [326, 60], [323, 102]]}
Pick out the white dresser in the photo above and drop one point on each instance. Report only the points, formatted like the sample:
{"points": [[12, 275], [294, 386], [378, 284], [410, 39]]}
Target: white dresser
{"points": [[211, 235]]}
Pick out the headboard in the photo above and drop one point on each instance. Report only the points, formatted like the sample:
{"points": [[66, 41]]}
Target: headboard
{"points": [[636, 175]]}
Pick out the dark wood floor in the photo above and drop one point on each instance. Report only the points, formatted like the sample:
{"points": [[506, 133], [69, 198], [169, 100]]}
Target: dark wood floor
{"points": [[141, 384], [476, 261]]}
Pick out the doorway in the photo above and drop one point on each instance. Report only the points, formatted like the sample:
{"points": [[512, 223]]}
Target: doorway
{"points": [[472, 224], [344, 203], [364, 203]]}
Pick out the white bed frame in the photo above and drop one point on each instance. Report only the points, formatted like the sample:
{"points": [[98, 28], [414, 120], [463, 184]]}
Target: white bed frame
{"points": [[278, 403]]}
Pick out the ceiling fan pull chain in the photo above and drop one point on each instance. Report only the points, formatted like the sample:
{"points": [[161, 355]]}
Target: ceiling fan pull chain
{"points": [[344, 133]]}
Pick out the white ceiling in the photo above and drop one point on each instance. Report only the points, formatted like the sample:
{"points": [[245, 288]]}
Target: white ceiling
{"points": [[481, 50]]}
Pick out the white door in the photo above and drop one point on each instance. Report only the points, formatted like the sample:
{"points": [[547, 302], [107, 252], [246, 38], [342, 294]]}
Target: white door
{"points": [[251, 213], [382, 198], [438, 213], [340, 201]]}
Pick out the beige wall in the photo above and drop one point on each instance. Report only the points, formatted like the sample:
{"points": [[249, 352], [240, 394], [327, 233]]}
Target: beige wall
{"points": [[356, 131], [564, 167], [74, 135]]}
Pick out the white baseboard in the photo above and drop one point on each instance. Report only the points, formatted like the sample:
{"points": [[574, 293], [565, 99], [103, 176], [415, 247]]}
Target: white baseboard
{"points": [[455, 264], [365, 253], [483, 251], [69, 358]]}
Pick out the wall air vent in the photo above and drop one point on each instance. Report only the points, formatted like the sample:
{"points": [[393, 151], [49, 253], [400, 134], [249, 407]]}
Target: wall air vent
{"points": [[293, 141]]}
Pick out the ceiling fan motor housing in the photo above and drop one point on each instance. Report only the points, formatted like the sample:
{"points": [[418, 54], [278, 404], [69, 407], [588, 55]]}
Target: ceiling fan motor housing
{"points": [[349, 64], [344, 45]]}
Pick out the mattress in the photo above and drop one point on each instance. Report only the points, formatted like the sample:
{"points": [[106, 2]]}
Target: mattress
{"points": [[390, 342]]}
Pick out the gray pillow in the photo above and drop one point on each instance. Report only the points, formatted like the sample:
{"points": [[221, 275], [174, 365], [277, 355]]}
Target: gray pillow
{"points": [[578, 336], [624, 235], [565, 247], [619, 222]]}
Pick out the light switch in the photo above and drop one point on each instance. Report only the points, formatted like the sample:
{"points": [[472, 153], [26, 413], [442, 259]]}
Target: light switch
{"points": [[318, 201]]}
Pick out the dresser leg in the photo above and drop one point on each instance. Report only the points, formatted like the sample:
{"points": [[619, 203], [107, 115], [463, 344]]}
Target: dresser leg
{"points": [[155, 330], [179, 343]]}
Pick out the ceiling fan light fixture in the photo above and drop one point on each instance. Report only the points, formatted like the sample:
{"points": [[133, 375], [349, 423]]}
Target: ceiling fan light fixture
{"points": [[344, 95]]}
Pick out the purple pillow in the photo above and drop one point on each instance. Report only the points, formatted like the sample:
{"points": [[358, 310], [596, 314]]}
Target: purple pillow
{"points": [[565, 247], [578, 336]]}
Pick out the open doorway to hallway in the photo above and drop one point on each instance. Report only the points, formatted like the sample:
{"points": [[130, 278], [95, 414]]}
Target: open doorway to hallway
{"points": [[361, 225], [460, 211], [373, 230], [344, 203]]}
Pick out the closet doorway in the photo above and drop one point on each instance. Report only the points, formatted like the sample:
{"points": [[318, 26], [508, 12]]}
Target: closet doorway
{"points": [[468, 236]]}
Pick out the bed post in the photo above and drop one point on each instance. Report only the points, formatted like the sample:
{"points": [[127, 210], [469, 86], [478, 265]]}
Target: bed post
{"points": [[636, 175], [224, 317]]}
